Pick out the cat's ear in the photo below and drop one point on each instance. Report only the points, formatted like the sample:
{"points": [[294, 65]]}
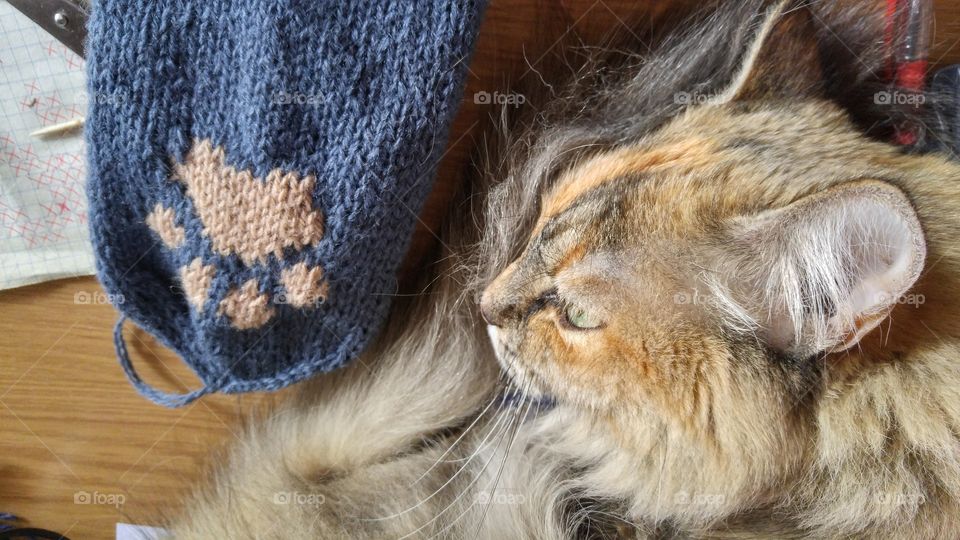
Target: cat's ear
{"points": [[782, 60], [821, 273]]}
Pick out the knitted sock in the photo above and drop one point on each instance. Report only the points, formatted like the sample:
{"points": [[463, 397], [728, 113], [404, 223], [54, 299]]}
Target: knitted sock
{"points": [[256, 168]]}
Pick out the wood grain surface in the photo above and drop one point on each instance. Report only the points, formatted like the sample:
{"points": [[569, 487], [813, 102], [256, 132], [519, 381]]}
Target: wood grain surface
{"points": [[80, 450]]}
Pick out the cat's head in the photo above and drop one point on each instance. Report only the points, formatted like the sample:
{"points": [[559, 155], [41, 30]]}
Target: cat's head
{"points": [[686, 290]]}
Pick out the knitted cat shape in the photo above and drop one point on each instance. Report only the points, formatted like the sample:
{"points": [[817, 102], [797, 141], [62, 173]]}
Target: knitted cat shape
{"points": [[256, 172], [250, 218]]}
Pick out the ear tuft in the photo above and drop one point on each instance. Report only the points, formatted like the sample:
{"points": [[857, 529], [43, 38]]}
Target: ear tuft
{"points": [[823, 272], [783, 60]]}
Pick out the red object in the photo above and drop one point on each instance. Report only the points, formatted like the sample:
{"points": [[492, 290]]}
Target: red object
{"points": [[912, 75], [890, 36], [908, 36]]}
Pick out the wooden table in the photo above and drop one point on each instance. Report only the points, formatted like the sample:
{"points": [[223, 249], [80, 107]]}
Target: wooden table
{"points": [[80, 450]]}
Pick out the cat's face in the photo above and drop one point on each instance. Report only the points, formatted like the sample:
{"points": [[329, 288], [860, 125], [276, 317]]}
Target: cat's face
{"points": [[622, 297], [687, 288]]}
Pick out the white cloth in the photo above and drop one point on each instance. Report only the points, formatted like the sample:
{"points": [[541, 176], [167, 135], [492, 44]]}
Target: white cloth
{"points": [[43, 208]]}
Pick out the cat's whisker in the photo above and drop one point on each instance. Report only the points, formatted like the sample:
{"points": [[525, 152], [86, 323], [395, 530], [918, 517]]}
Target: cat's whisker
{"points": [[506, 454], [496, 431], [485, 442], [594, 511], [513, 428], [469, 485], [663, 463], [453, 445]]}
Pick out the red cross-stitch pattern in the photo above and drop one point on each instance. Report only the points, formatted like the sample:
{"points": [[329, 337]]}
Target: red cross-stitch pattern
{"points": [[40, 215]]}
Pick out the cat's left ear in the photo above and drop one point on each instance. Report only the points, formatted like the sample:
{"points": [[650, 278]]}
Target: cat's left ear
{"points": [[818, 275], [783, 59]]}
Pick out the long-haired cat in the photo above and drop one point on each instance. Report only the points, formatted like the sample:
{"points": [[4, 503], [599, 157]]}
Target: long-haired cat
{"points": [[726, 315]]}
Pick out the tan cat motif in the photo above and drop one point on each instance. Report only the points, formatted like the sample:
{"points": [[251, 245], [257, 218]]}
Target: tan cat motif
{"points": [[249, 217]]}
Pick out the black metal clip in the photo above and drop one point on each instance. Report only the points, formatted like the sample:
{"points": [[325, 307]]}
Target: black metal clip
{"points": [[65, 20]]}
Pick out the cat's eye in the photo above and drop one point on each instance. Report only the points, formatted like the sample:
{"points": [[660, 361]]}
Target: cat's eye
{"points": [[580, 318]]}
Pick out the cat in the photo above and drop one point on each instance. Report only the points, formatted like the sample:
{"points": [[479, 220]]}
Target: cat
{"points": [[727, 315]]}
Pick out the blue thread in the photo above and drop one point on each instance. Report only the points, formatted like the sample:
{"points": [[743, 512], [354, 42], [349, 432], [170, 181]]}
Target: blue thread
{"points": [[514, 400]]}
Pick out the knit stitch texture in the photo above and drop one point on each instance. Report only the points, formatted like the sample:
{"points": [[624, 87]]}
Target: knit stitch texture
{"points": [[256, 168]]}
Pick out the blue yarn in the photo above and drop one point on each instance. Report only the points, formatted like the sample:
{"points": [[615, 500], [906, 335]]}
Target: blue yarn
{"points": [[6, 516], [157, 396], [375, 86]]}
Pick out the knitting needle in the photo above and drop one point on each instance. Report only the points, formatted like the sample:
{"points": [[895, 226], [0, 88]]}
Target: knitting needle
{"points": [[59, 129]]}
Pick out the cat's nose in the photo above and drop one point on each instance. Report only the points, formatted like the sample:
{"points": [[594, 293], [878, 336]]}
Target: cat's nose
{"points": [[491, 312]]}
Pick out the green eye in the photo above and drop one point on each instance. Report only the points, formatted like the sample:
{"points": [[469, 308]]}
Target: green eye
{"points": [[581, 319]]}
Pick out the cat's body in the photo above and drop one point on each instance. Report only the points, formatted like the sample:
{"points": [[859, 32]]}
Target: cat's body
{"points": [[743, 313]]}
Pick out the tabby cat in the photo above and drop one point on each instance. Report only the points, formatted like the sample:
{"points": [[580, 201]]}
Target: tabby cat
{"points": [[731, 315]]}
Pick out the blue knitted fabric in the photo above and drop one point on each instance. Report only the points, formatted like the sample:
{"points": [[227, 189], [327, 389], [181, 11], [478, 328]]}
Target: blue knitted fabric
{"points": [[256, 167]]}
